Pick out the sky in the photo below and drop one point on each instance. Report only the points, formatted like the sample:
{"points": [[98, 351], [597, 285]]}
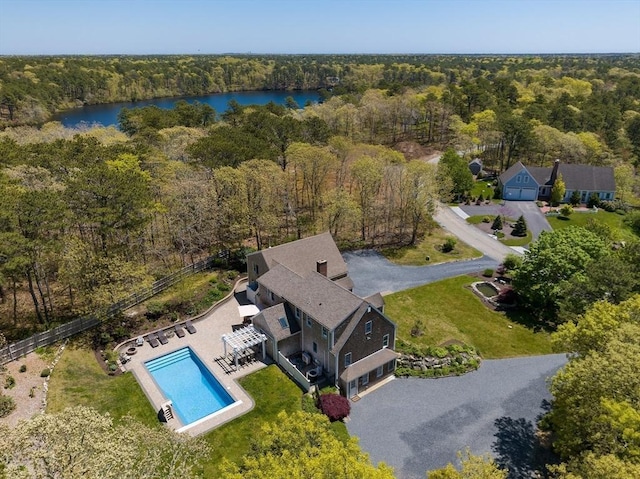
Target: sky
{"points": [[49, 27]]}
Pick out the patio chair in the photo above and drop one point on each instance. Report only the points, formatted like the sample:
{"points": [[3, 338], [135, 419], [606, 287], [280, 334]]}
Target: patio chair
{"points": [[189, 327], [162, 337], [152, 339], [179, 331], [139, 341]]}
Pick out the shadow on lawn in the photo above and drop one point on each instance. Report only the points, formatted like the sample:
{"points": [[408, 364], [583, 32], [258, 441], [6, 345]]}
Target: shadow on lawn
{"points": [[525, 319]]}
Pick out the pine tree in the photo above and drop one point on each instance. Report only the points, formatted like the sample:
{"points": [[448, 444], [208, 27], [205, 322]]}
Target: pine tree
{"points": [[497, 223], [520, 228]]}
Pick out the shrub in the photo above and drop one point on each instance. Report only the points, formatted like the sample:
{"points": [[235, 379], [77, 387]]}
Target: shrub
{"points": [[45, 373], [507, 296], [497, 194], [511, 262], [336, 407], [497, 223], [488, 273], [155, 309], [9, 382], [417, 329], [594, 200], [575, 198], [609, 206], [309, 404], [481, 198], [32, 392], [449, 245], [486, 219], [566, 211], [7, 405], [23, 368]]}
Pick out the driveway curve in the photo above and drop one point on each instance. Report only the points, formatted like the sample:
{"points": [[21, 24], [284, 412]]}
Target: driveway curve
{"points": [[371, 272], [416, 425], [536, 221]]}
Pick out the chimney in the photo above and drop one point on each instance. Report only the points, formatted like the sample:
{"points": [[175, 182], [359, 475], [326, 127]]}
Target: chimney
{"points": [[321, 267], [554, 173]]}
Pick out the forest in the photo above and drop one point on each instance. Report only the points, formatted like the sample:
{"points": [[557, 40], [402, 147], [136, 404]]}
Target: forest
{"points": [[88, 215]]}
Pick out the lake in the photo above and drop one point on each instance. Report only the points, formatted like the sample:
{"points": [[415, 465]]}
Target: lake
{"points": [[108, 114]]}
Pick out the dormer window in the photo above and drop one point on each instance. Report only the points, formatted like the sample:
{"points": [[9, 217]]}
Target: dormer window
{"points": [[283, 322], [518, 179]]}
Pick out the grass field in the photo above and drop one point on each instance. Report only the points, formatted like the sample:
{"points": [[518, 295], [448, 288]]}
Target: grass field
{"points": [[78, 380], [613, 220], [450, 311], [431, 246]]}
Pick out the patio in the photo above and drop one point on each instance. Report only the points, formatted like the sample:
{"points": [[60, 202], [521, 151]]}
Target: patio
{"points": [[207, 344]]}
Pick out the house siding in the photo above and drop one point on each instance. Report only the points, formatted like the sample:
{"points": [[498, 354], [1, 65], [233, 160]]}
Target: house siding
{"points": [[314, 334], [360, 347], [522, 186]]}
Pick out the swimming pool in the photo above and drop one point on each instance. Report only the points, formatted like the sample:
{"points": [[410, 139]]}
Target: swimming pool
{"points": [[194, 391]]}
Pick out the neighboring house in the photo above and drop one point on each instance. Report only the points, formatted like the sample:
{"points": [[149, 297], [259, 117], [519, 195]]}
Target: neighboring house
{"points": [[308, 310], [475, 166], [531, 183]]}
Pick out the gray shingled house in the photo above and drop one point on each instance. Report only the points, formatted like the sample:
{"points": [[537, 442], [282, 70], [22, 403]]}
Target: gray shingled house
{"points": [[313, 320], [522, 182]]}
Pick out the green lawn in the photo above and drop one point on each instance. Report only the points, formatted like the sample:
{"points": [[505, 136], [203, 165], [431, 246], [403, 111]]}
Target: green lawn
{"points": [[613, 220], [508, 240], [430, 246], [480, 188], [78, 380], [449, 311]]}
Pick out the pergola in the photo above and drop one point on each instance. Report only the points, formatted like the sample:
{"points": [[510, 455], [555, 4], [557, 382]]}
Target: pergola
{"points": [[243, 339]]}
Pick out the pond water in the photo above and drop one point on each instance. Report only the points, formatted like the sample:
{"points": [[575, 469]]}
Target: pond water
{"points": [[487, 289], [108, 114]]}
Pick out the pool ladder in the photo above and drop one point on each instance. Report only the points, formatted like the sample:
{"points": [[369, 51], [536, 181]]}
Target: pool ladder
{"points": [[167, 410]]}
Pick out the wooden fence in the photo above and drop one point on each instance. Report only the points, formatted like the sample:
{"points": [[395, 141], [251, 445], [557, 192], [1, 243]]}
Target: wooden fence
{"points": [[45, 338]]}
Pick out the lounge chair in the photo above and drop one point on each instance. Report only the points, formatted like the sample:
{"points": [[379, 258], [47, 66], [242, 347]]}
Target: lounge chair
{"points": [[179, 331], [152, 339], [162, 337], [139, 341], [189, 327]]}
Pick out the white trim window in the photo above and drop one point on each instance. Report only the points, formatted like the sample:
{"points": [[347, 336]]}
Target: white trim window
{"points": [[347, 360], [308, 320], [368, 327], [325, 332], [364, 379], [380, 371], [385, 341], [518, 179]]}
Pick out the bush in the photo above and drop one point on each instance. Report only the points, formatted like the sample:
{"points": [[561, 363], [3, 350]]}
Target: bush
{"points": [[45, 373], [155, 309], [497, 194], [511, 262], [507, 296], [486, 219], [449, 245], [575, 198], [23, 368], [594, 200], [336, 407], [566, 211], [7, 405], [488, 273], [9, 382], [309, 404], [417, 329]]}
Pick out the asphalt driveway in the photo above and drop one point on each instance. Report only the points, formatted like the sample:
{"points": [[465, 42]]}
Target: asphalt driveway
{"points": [[536, 221], [415, 425], [371, 272]]}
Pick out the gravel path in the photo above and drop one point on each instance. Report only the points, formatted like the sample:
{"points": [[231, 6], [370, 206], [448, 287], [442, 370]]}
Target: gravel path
{"points": [[416, 425], [371, 272]]}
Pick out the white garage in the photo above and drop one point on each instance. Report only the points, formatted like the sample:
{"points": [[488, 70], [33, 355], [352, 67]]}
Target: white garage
{"points": [[526, 194]]}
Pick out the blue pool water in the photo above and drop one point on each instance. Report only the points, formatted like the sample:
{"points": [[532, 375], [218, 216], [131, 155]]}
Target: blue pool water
{"points": [[186, 381]]}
